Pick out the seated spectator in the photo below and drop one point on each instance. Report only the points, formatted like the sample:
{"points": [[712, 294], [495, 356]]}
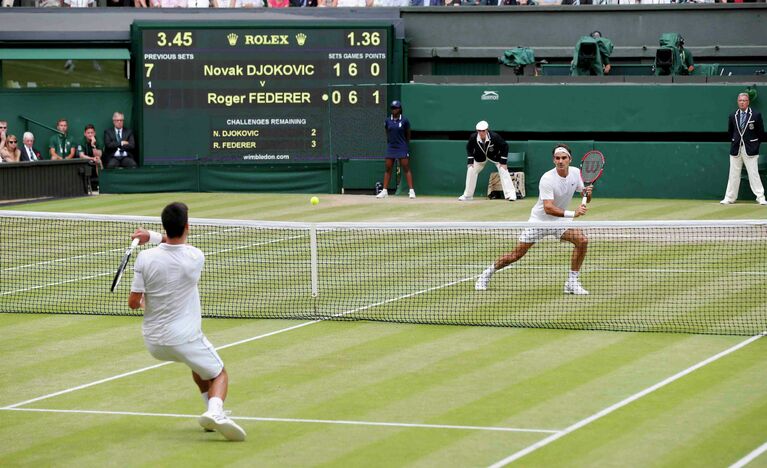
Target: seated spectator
{"points": [[278, 3], [119, 144], [3, 131], [79, 3], [91, 150], [28, 152], [60, 145], [349, 3], [427, 2], [9, 149], [248, 4], [303, 3]]}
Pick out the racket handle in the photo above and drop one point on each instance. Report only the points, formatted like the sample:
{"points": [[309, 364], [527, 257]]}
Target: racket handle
{"points": [[134, 243], [585, 200]]}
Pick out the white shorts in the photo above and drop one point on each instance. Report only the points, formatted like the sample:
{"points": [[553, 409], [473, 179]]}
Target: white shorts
{"points": [[533, 235], [199, 355]]}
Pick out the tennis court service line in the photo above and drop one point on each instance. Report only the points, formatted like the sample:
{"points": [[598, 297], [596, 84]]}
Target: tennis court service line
{"points": [[598, 415], [750, 457], [246, 340], [294, 420]]}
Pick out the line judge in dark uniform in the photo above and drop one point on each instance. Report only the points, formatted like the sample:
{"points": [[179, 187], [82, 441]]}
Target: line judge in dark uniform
{"points": [[397, 147], [746, 130], [484, 145]]}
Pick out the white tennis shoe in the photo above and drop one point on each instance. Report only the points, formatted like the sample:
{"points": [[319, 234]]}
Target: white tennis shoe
{"points": [[383, 194], [726, 202], [221, 423], [574, 287], [465, 198], [411, 194]]}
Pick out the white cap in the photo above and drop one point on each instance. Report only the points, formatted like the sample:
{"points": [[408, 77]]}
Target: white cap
{"points": [[482, 125]]}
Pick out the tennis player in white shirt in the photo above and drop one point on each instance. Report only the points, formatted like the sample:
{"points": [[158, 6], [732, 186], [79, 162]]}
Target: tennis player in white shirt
{"points": [[556, 190], [165, 285]]}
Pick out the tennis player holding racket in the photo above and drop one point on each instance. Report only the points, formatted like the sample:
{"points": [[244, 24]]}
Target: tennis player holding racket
{"points": [[165, 284], [556, 190]]}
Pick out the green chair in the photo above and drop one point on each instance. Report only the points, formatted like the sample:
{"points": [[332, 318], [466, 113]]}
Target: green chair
{"points": [[516, 162]]}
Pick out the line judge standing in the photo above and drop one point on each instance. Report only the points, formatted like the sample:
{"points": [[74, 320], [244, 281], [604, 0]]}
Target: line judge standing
{"points": [[397, 147], [746, 130], [484, 145]]}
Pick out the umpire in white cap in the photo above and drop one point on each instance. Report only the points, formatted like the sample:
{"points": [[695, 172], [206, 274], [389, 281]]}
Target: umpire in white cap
{"points": [[484, 145]]}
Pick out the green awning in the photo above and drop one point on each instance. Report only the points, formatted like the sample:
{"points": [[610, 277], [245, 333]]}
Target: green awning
{"points": [[64, 54]]}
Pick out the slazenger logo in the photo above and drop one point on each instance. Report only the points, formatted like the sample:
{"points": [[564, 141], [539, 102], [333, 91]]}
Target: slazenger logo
{"points": [[489, 96]]}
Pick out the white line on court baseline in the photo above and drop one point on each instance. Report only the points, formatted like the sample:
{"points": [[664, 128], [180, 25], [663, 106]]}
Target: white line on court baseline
{"points": [[583, 422], [293, 420], [750, 457], [247, 340]]}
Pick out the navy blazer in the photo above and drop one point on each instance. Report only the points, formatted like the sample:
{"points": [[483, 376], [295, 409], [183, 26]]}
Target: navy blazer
{"points": [[751, 136], [111, 144], [24, 157], [497, 150]]}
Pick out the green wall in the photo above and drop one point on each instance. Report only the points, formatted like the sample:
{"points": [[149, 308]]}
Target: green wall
{"points": [[650, 108], [633, 169], [316, 178], [79, 106]]}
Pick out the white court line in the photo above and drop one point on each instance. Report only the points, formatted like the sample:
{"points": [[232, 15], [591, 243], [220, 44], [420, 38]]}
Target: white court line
{"points": [[137, 371], [750, 457], [247, 340], [294, 420], [583, 422]]}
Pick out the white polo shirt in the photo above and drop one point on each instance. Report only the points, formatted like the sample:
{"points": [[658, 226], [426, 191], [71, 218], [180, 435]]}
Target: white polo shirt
{"points": [[168, 276], [559, 189]]}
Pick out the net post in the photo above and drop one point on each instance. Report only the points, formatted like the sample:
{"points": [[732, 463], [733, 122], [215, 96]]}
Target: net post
{"points": [[313, 250]]}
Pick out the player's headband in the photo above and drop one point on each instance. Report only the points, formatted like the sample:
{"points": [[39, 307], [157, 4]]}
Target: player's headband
{"points": [[562, 149]]}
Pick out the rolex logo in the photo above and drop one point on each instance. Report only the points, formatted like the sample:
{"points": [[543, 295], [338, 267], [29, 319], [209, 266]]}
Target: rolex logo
{"points": [[301, 38], [232, 38]]}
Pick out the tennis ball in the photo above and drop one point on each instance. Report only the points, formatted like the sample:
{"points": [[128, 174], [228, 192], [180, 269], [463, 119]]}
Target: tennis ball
{"points": [[315, 201]]}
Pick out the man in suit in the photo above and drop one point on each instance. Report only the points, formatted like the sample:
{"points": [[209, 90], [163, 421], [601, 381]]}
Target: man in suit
{"points": [[28, 152], [746, 130], [119, 144]]}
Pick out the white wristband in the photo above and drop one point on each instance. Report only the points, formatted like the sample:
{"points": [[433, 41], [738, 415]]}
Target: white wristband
{"points": [[155, 237], [569, 214]]}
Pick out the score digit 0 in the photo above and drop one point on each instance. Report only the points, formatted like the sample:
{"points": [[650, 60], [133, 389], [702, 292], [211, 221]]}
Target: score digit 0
{"points": [[352, 97]]}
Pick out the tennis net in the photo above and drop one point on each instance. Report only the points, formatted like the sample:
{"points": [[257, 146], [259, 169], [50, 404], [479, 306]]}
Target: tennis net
{"points": [[690, 277]]}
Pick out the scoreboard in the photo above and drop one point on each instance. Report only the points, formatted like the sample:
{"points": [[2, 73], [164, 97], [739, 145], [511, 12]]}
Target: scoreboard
{"points": [[235, 92]]}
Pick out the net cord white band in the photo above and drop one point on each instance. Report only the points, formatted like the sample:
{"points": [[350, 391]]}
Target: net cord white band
{"points": [[138, 220]]}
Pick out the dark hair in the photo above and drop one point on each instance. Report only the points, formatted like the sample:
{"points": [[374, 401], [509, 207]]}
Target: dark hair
{"points": [[562, 145], [89, 126], [174, 219]]}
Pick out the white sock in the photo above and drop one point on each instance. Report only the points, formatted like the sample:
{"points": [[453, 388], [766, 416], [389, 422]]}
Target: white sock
{"points": [[573, 276], [489, 272], [216, 405], [204, 396]]}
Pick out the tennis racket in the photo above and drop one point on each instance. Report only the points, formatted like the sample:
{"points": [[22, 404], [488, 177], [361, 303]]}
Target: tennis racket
{"points": [[592, 166], [123, 264]]}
